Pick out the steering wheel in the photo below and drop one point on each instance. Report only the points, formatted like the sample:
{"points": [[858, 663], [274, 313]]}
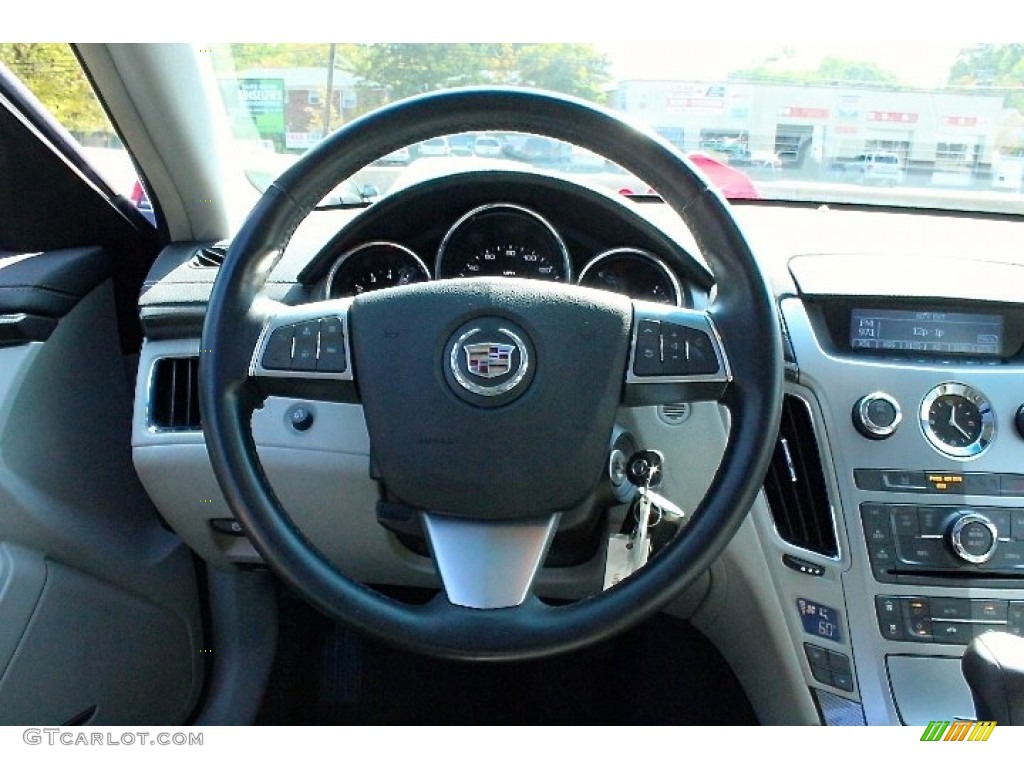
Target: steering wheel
{"points": [[489, 402]]}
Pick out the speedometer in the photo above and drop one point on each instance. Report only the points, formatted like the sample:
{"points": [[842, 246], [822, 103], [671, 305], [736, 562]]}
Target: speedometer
{"points": [[503, 240]]}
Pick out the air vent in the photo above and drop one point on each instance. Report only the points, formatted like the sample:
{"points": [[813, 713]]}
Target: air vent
{"points": [[795, 484], [210, 256], [174, 398], [674, 414]]}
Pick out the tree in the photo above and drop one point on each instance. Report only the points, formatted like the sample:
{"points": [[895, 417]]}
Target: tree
{"points": [[53, 74], [831, 69], [259, 55], [570, 68], [406, 69], [390, 71], [992, 66]]}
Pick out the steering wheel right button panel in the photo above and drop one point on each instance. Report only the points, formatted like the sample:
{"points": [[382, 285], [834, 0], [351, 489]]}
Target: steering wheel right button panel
{"points": [[677, 349]]}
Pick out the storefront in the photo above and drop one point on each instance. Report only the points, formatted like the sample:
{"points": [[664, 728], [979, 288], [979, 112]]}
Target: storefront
{"points": [[935, 131]]}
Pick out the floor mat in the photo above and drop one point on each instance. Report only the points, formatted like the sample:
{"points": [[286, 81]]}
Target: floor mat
{"points": [[662, 672]]}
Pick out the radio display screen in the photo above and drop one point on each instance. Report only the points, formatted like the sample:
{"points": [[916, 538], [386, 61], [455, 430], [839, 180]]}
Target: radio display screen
{"points": [[937, 333]]}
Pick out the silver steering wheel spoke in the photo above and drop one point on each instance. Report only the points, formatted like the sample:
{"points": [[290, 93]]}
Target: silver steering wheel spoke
{"points": [[676, 355], [488, 564]]}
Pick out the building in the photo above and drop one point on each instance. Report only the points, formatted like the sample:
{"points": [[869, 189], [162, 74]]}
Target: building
{"points": [[936, 131]]}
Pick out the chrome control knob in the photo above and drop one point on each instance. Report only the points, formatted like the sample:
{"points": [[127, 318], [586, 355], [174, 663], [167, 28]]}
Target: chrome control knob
{"points": [[876, 416], [973, 537]]}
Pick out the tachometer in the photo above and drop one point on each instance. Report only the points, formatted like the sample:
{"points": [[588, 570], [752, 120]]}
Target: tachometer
{"points": [[503, 240], [372, 266], [635, 273]]}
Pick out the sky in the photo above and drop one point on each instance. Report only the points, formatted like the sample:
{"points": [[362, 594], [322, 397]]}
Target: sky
{"points": [[682, 39], [666, 40], [920, 64], [701, 26]]}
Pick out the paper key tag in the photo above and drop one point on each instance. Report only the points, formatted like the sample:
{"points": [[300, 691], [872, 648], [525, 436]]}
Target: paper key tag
{"points": [[618, 562]]}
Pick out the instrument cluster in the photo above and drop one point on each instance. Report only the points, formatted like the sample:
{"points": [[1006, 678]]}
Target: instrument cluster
{"points": [[504, 240]]}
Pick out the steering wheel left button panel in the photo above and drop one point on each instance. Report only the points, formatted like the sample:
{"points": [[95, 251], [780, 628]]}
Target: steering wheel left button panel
{"points": [[309, 341]]}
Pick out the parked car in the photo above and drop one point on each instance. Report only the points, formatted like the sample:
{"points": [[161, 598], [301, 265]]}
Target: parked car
{"points": [[487, 146], [435, 147], [876, 168], [350, 192], [141, 201], [400, 156], [461, 144]]}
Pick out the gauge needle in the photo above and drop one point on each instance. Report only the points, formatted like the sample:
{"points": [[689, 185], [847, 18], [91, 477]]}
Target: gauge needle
{"points": [[954, 425]]}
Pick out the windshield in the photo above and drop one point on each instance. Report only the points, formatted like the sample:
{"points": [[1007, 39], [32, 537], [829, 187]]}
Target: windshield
{"points": [[920, 125]]}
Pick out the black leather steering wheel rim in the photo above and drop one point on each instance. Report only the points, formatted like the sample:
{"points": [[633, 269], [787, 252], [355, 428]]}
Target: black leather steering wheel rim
{"points": [[744, 313]]}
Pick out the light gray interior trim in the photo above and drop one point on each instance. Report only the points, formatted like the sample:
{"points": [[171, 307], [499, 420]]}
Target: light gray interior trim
{"points": [[929, 689], [908, 275], [737, 598], [791, 585], [742, 607], [141, 433]]}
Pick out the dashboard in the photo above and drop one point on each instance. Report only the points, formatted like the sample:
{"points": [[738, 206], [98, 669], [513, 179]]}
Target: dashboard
{"points": [[904, 338]]}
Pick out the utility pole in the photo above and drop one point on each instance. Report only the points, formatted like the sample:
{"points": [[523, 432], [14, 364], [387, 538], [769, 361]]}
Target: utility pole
{"points": [[330, 90]]}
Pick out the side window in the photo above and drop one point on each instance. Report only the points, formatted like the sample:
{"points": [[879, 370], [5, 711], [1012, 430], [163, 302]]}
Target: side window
{"points": [[53, 74]]}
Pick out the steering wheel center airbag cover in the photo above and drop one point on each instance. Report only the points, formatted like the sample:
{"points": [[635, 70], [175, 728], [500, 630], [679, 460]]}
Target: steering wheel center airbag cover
{"points": [[538, 447]]}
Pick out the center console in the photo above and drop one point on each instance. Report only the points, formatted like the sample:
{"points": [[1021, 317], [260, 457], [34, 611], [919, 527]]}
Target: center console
{"points": [[916, 403]]}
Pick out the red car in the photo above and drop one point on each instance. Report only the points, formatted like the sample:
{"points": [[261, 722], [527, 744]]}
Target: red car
{"points": [[731, 182]]}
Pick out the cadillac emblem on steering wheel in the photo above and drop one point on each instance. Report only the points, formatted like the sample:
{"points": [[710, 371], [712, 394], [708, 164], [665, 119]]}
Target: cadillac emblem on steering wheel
{"points": [[488, 359]]}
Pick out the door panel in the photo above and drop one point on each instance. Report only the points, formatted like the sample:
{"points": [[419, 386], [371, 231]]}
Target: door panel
{"points": [[99, 613]]}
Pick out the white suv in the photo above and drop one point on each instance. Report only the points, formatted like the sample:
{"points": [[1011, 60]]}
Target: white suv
{"points": [[876, 168]]}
